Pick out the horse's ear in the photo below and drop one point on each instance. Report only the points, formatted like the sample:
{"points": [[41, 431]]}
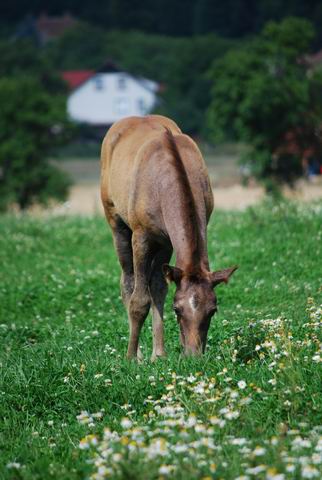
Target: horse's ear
{"points": [[222, 275], [172, 274]]}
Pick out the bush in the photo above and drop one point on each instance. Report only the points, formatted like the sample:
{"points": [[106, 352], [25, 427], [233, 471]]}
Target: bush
{"points": [[178, 64], [32, 121], [266, 96]]}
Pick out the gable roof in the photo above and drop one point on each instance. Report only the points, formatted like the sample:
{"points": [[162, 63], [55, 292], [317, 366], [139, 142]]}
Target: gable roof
{"points": [[44, 27], [313, 60], [75, 78], [110, 67], [52, 27]]}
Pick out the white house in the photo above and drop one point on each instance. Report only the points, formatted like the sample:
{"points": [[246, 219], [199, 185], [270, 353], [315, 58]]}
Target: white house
{"points": [[107, 95]]}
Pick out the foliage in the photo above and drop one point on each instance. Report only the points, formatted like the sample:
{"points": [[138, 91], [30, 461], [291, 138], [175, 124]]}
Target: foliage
{"points": [[232, 18], [32, 121], [82, 47], [24, 58], [178, 64], [244, 405], [264, 95], [187, 88]]}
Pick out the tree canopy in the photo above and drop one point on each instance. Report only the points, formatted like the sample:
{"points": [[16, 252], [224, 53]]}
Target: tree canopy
{"points": [[32, 121], [232, 18], [265, 95], [178, 64]]}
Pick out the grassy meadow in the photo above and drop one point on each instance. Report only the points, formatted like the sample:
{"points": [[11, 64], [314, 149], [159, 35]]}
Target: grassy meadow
{"points": [[71, 405]]}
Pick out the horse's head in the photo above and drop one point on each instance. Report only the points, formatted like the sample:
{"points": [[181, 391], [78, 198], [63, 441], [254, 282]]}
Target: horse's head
{"points": [[195, 303]]}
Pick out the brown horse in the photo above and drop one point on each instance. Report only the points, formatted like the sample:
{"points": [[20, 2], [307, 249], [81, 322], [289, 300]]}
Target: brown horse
{"points": [[157, 198]]}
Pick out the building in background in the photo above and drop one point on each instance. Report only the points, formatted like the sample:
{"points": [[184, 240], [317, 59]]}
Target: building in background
{"points": [[44, 28], [109, 94]]}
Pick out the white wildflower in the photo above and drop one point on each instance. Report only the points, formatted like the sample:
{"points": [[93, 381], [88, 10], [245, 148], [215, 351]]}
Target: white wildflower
{"points": [[310, 472], [256, 470], [126, 423], [166, 469], [191, 421], [242, 384], [15, 465], [259, 451], [290, 468]]}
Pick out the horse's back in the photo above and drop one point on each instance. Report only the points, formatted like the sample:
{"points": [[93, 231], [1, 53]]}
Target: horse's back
{"points": [[126, 136], [120, 150], [138, 171]]}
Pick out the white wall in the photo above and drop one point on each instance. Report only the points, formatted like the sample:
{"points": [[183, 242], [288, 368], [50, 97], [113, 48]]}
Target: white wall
{"points": [[108, 97]]}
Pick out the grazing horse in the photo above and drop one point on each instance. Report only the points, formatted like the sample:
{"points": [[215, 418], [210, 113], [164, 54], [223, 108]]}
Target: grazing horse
{"points": [[157, 198]]}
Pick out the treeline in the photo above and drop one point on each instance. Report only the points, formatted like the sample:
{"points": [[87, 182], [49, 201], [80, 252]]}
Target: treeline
{"points": [[179, 65], [261, 91], [231, 18], [33, 121]]}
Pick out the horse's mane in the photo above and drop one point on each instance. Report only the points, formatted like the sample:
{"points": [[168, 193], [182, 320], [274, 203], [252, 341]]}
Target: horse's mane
{"points": [[188, 201]]}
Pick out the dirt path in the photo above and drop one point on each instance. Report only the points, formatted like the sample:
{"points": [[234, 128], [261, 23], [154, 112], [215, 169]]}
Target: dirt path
{"points": [[224, 172]]}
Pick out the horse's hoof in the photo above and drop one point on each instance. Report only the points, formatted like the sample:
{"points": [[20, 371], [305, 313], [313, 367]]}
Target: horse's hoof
{"points": [[139, 356], [154, 357]]}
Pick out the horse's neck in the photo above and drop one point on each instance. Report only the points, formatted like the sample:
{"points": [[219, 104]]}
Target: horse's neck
{"points": [[188, 239], [186, 259]]}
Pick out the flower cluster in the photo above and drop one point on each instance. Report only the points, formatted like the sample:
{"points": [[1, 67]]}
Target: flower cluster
{"points": [[86, 418], [190, 429], [173, 439]]}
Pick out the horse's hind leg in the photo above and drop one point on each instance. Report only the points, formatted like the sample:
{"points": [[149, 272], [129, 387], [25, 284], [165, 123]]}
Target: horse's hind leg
{"points": [[122, 236], [158, 292], [140, 300]]}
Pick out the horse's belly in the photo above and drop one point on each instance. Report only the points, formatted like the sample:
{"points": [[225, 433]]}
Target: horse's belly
{"points": [[119, 186]]}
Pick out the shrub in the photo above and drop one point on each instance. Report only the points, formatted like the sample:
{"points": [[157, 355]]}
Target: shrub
{"points": [[32, 121], [266, 95]]}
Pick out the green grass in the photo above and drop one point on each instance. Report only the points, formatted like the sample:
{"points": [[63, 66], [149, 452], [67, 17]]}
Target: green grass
{"points": [[63, 334]]}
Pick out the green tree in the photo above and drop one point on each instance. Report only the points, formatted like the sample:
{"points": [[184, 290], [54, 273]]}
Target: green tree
{"points": [[32, 121], [83, 46], [178, 64], [232, 18], [24, 58], [265, 95]]}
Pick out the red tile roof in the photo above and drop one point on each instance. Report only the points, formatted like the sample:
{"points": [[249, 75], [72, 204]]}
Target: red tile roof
{"points": [[75, 78], [52, 27], [315, 59]]}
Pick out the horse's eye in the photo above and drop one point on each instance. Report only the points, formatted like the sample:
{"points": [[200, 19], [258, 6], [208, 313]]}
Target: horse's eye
{"points": [[177, 311]]}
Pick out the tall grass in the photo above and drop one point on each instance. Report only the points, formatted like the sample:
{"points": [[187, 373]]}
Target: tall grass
{"points": [[73, 407]]}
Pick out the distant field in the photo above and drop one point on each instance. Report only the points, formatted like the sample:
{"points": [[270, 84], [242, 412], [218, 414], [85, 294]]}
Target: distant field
{"points": [[73, 408], [222, 162], [224, 171]]}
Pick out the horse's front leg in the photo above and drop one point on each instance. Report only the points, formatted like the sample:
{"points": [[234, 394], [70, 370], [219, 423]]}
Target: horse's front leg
{"points": [[139, 304], [158, 293]]}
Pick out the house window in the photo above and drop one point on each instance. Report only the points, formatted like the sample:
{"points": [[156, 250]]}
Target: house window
{"points": [[121, 106], [121, 83], [98, 80], [142, 106]]}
